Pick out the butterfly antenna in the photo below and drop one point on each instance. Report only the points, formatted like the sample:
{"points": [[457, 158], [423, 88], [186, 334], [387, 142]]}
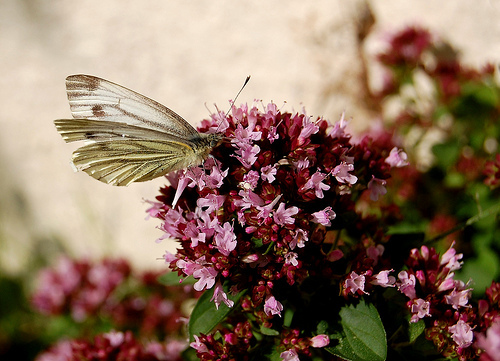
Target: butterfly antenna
{"points": [[236, 97]]}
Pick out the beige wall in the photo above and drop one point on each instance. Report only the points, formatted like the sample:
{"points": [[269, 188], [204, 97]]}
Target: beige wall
{"points": [[183, 54]]}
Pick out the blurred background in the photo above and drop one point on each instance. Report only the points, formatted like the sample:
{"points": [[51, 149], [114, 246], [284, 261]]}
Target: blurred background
{"points": [[188, 56]]}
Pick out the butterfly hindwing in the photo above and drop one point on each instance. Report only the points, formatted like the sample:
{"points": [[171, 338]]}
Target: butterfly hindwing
{"points": [[122, 162]]}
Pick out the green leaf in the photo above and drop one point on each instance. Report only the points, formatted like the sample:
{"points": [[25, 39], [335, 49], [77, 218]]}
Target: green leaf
{"points": [[268, 331], [365, 338], [415, 329], [173, 279], [206, 316]]}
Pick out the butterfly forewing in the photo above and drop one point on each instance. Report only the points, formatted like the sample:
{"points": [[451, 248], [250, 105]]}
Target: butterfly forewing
{"points": [[98, 99], [132, 138]]}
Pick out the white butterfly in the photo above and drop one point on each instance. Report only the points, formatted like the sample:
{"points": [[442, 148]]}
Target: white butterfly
{"points": [[132, 138]]}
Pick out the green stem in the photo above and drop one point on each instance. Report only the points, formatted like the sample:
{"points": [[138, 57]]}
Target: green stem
{"points": [[482, 214]]}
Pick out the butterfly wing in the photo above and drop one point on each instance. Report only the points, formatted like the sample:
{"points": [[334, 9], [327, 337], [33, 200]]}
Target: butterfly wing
{"points": [[132, 138], [122, 162], [98, 99]]}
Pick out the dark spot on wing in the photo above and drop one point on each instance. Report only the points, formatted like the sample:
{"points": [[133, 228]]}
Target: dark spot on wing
{"points": [[90, 135], [92, 83], [97, 111]]}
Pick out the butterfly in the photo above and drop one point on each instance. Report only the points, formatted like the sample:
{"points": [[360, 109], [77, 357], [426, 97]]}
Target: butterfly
{"points": [[131, 138]]}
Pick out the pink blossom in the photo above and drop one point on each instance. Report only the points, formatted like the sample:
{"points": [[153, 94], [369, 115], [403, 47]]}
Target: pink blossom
{"points": [[462, 334], [316, 182], [383, 279], [420, 309], [266, 210], [448, 283], [375, 252], [248, 199], [320, 341], [198, 346], [355, 283], [115, 338], [246, 135], [215, 179], [458, 298], [283, 216], [247, 154], [225, 239], [251, 179], [268, 173], [193, 232], [338, 130], [289, 355], [397, 158], [341, 173], [407, 284], [377, 188], [182, 182], [490, 342], [211, 201], [308, 128], [173, 219], [169, 257], [324, 217], [272, 306], [451, 260], [220, 296], [291, 258], [301, 164], [206, 278], [300, 238], [189, 267]]}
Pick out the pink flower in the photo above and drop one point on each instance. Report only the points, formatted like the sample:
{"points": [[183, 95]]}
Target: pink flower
{"points": [[225, 239], [220, 296], [397, 158], [341, 173], [283, 216], [316, 182], [451, 260], [355, 283], [300, 238], [198, 346], [338, 130], [193, 232], [308, 128], [375, 252], [206, 278], [407, 284], [247, 154], [289, 355], [291, 258], [458, 298], [377, 188], [462, 334], [265, 211], [383, 279], [251, 179], [320, 341], [272, 306], [490, 342], [324, 217], [420, 309], [268, 173], [215, 179]]}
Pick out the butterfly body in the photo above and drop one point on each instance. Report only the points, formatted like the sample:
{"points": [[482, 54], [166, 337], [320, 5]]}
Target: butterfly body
{"points": [[131, 138]]}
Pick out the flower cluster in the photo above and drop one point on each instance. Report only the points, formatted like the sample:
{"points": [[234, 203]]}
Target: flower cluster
{"points": [[108, 294], [433, 292], [267, 210], [113, 346]]}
